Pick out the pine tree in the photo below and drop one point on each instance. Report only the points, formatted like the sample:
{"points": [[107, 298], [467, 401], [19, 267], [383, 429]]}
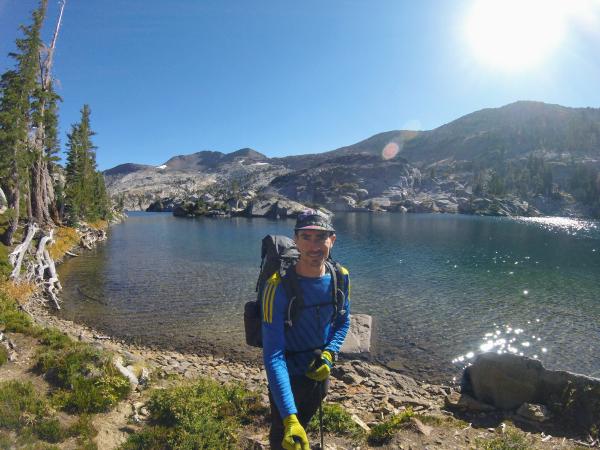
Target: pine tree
{"points": [[85, 191], [17, 87]]}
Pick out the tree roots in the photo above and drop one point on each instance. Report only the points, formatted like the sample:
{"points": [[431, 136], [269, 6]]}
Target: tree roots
{"points": [[31, 260]]}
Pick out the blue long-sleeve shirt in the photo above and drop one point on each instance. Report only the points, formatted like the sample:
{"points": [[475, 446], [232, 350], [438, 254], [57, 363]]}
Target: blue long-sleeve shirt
{"points": [[288, 351]]}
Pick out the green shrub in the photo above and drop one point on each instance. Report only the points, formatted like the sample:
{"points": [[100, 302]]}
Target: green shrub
{"points": [[335, 420], [83, 428], [20, 405], [53, 338], [201, 415], [384, 432], [96, 394], [510, 440], [25, 411], [84, 431], [88, 382], [5, 267], [3, 355], [49, 430], [6, 442], [13, 319], [152, 438]]}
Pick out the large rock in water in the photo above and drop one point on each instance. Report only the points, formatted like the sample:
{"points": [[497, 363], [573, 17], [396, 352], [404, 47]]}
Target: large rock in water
{"points": [[273, 208], [507, 381], [358, 339]]}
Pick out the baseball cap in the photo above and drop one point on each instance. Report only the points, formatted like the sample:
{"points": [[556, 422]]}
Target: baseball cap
{"points": [[311, 219]]}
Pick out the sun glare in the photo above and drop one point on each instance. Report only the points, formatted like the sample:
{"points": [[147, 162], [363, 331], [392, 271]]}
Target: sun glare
{"points": [[515, 34]]}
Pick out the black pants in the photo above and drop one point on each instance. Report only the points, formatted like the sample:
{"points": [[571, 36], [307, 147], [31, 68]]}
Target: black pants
{"points": [[307, 395]]}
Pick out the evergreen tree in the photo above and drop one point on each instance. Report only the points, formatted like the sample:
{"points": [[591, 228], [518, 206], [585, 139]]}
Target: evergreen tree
{"points": [[496, 184], [17, 87], [85, 192]]}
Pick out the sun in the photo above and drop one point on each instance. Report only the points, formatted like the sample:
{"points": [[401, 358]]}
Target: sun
{"points": [[515, 35]]}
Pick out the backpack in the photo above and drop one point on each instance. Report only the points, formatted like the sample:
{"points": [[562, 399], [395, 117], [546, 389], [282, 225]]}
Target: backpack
{"points": [[279, 254]]}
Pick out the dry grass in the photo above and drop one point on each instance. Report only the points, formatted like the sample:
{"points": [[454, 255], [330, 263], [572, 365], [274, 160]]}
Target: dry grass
{"points": [[20, 292], [65, 238], [99, 224]]}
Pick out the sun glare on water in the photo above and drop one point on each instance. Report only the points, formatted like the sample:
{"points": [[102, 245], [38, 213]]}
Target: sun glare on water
{"points": [[515, 35]]}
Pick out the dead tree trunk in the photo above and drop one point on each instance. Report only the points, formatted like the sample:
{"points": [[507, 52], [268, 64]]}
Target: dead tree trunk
{"points": [[41, 198], [39, 268], [43, 264], [42, 192], [17, 255]]}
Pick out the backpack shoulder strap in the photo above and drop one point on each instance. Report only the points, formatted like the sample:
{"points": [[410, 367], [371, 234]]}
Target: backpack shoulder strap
{"points": [[330, 267], [291, 285], [341, 288]]}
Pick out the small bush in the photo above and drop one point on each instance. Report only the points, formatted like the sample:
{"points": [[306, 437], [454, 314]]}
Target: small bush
{"points": [[152, 438], [65, 238], [5, 267], [201, 415], [49, 430], [88, 382], [84, 431], [20, 405], [6, 442], [3, 355], [83, 428], [23, 410], [384, 432], [53, 338], [11, 318], [17, 292], [335, 420], [99, 224], [437, 421], [510, 440], [94, 394]]}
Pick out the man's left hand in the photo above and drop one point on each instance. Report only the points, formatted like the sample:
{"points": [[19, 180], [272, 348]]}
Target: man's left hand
{"points": [[320, 368]]}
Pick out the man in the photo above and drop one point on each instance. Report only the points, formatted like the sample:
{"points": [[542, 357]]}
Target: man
{"points": [[298, 379]]}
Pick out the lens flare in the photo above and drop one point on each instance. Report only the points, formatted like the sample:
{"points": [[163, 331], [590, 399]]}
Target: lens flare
{"points": [[390, 151]]}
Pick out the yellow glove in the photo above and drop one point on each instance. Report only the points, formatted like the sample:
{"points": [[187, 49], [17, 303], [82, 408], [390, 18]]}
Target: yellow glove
{"points": [[294, 436], [320, 368]]}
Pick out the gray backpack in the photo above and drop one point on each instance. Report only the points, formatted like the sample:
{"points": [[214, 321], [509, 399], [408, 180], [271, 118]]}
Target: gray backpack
{"points": [[280, 254]]}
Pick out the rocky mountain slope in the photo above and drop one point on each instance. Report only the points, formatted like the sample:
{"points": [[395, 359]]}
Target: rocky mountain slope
{"points": [[524, 158], [516, 129], [186, 176]]}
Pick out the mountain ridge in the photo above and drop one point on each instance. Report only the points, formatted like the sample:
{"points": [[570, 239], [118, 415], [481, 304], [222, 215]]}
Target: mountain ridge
{"points": [[489, 149]]}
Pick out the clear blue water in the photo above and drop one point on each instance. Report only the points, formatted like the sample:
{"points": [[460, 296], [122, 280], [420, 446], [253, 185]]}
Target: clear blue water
{"points": [[441, 288]]}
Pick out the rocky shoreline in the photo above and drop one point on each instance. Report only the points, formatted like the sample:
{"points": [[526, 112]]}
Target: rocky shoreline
{"points": [[277, 207], [370, 393], [368, 390]]}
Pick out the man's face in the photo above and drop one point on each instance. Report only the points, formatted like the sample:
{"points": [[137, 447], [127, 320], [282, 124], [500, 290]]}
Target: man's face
{"points": [[314, 246]]}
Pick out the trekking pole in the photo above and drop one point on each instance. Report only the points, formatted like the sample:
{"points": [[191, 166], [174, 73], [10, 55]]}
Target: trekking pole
{"points": [[321, 394], [322, 383]]}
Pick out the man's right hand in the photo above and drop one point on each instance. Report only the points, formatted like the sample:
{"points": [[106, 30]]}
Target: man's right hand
{"points": [[294, 436]]}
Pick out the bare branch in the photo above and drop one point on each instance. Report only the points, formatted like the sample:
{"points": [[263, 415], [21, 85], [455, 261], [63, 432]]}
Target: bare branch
{"points": [[17, 255], [47, 72]]}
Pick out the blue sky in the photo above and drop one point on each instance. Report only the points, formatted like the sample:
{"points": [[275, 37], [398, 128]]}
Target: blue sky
{"points": [[175, 77]]}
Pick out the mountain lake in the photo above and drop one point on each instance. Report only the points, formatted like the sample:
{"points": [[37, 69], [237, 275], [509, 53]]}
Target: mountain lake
{"points": [[441, 288]]}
